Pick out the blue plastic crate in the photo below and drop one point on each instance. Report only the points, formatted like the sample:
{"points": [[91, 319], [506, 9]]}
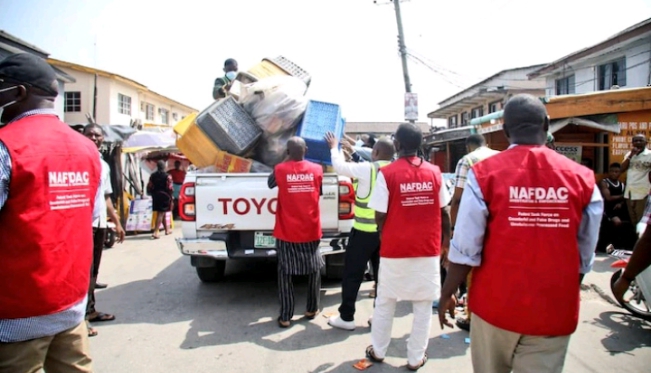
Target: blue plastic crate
{"points": [[320, 117]]}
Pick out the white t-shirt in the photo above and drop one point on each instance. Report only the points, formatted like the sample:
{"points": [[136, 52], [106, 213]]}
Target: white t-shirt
{"points": [[637, 176], [411, 279], [105, 186]]}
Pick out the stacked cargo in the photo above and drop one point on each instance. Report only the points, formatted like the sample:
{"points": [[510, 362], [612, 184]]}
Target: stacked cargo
{"points": [[248, 130]]}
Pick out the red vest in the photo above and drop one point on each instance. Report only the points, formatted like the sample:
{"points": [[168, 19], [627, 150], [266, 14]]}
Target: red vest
{"points": [[298, 216], [528, 281], [46, 243], [413, 224]]}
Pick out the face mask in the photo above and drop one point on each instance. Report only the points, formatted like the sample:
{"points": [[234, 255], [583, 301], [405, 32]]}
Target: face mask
{"points": [[8, 103], [2, 108], [231, 75]]}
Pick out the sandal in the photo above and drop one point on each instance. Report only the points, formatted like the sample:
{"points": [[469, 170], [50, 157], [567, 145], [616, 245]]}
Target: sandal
{"points": [[311, 315], [92, 332], [415, 368], [155, 237], [370, 353], [100, 316], [283, 324]]}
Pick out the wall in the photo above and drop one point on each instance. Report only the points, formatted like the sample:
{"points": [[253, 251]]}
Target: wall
{"points": [[58, 103], [159, 102], [116, 88], [638, 56]]}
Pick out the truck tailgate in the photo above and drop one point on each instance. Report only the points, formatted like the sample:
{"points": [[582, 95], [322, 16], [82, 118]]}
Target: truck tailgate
{"points": [[244, 202]]}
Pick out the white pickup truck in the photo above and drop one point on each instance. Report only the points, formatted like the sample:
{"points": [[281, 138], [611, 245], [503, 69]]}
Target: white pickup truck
{"points": [[232, 215]]}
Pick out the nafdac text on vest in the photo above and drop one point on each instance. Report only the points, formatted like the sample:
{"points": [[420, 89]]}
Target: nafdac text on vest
{"points": [[538, 194]]}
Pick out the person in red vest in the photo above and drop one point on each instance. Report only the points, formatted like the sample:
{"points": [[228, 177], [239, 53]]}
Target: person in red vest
{"points": [[46, 254], [529, 219], [298, 228], [410, 203]]}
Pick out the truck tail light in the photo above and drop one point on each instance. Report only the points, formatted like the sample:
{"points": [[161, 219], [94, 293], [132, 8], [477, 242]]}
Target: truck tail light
{"points": [[346, 200], [187, 209]]}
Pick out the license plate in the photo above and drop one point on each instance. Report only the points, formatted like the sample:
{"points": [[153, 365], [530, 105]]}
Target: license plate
{"points": [[264, 240]]}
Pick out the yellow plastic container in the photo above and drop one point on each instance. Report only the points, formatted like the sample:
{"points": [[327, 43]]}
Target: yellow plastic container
{"points": [[265, 69], [194, 143]]}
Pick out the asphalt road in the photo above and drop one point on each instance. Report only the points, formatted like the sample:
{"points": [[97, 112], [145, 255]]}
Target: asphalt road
{"points": [[168, 321]]}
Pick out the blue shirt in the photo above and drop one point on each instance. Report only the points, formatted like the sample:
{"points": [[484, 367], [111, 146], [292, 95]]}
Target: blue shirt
{"points": [[17, 330], [468, 242]]}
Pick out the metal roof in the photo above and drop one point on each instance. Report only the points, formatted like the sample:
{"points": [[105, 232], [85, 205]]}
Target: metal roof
{"points": [[622, 36]]}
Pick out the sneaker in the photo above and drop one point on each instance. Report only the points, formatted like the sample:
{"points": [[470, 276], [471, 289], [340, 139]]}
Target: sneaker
{"points": [[337, 322]]}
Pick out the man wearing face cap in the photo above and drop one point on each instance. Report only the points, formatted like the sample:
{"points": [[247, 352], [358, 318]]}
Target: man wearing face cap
{"points": [[49, 179]]}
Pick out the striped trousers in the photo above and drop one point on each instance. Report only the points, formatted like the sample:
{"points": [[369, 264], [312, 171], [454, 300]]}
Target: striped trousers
{"points": [[298, 259]]}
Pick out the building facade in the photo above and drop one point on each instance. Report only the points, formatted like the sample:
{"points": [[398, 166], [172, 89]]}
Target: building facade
{"points": [[10, 45], [487, 96], [113, 99], [621, 61], [379, 129]]}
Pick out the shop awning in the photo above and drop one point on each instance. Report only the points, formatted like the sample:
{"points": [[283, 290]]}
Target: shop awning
{"points": [[138, 149], [557, 125], [448, 135]]}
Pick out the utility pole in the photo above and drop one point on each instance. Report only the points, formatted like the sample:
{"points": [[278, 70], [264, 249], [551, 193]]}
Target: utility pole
{"points": [[401, 46]]}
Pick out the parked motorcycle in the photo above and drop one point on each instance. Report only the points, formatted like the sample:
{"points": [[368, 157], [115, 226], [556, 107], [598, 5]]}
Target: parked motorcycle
{"points": [[637, 299]]}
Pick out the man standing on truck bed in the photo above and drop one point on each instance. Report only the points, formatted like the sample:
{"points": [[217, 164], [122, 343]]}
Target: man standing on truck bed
{"points": [[364, 239], [298, 228], [221, 83]]}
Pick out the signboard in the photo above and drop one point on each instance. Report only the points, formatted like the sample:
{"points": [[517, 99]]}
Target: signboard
{"points": [[411, 106], [573, 152], [631, 124]]}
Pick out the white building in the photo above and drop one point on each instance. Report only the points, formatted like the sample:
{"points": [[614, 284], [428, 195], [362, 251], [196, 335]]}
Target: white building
{"points": [[487, 96], [113, 99], [10, 44], [622, 60]]}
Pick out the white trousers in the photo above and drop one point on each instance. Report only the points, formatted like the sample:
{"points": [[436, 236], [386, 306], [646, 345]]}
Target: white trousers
{"points": [[383, 324]]}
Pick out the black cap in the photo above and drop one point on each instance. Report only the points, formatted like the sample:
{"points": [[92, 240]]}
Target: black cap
{"points": [[31, 70]]}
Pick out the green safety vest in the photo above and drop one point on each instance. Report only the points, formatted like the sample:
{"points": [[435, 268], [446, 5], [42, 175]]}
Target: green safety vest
{"points": [[364, 216]]}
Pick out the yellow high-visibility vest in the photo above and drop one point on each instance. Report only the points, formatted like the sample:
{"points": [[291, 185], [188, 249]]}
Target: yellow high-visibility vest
{"points": [[364, 216]]}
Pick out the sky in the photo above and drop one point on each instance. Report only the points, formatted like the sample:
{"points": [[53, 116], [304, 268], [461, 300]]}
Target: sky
{"points": [[350, 47]]}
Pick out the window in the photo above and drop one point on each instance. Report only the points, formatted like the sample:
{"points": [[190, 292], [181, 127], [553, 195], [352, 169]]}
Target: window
{"points": [[164, 116], [124, 104], [175, 117], [72, 102], [452, 122], [464, 118], [565, 86], [149, 112], [612, 73], [494, 107], [477, 112]]}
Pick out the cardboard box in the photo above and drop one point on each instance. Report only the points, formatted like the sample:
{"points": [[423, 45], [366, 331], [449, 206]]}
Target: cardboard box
{"points": [[229, 163]]}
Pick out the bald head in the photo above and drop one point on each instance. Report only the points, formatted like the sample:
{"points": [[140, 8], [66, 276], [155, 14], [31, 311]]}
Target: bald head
{"points": [[296, 148], [383, 150], [525, 120]]}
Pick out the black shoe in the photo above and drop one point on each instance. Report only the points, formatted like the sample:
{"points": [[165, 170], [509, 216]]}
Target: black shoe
{"points": [[99, 285], [463, 324]]}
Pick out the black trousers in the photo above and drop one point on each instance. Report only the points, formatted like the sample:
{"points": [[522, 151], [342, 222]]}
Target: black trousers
{"points": [[99, 235], [362, 247]]}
